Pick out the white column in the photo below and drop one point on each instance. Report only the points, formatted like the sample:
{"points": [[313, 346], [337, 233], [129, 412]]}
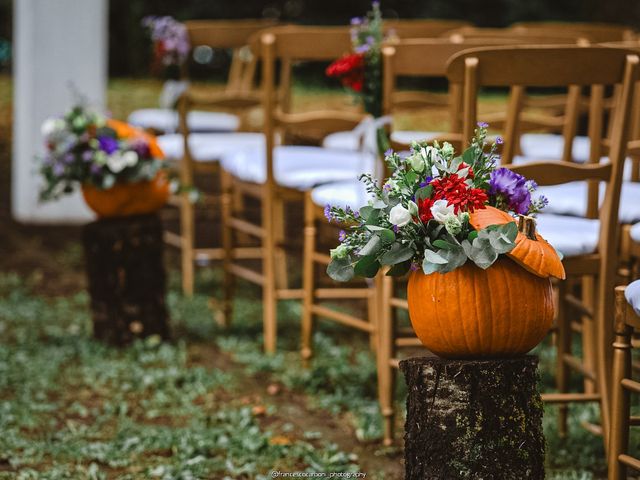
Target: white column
{"points": [[60, 46]]}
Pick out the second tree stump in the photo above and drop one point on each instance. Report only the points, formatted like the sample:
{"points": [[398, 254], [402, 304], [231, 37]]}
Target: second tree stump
{"points": [[475, 419], [125, 270]]}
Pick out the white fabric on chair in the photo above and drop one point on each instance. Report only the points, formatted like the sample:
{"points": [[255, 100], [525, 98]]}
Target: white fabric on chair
{"points": [[166, 120], [363, 137], [632, 294], [209, 147], [408, 136], [352, 193], [299, 167], [348, 140], [548, 146], [572, 236], [634, 232]]}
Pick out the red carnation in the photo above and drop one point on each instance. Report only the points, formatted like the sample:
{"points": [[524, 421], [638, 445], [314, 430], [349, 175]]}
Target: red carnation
{"points": [[424, 209], [456, 192], [350, 70]]}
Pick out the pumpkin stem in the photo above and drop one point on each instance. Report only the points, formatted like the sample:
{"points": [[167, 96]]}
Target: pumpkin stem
{"points": [[527, 225]]}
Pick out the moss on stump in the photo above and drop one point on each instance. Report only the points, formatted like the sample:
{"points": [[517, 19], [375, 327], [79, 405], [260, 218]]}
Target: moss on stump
{"points": [[473, 419], [124, 263]]}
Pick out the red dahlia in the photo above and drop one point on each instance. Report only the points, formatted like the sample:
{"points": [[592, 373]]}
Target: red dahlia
{"points": [[424, 209], [456, 192], [350, 70]]}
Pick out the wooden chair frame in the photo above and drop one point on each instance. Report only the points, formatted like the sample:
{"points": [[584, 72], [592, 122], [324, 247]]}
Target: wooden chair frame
{"points": [[627, 322], [287, 44], [239, 97]]}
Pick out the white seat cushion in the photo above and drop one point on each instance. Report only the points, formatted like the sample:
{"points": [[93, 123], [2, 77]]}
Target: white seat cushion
{"points": [[342, 194], [634, 232], [348, 140], [166, 120], [571, 199], [572, 236], [299, 167], [408, 136], [632, 294], [209, 147], [548, 146]]}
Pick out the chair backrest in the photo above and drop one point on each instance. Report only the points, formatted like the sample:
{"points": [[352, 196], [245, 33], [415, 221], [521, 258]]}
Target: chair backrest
{"points": [[626, 323], [595, 67], [421, 27], [299, 44], [234, 35], [596, 32], [534, 37]]}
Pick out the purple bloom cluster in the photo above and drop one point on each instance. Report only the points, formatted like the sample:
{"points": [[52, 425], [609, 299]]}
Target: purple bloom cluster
{"points": [[172, 35], [108, 144], [513, 188]]}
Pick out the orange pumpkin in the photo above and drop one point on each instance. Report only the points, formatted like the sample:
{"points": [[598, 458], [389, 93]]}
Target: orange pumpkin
{"points": [[125, 199], [470, 312], [126, 131], [532, 252]]}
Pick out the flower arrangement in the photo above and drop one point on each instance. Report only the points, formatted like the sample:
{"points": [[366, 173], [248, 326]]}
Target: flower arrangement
{"points": [[361, 70], [85, 148], [170, 41], [422, 216]]}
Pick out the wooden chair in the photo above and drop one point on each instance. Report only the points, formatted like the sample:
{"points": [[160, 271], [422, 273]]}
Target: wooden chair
{"points": [[421, 27], [627, 323], [564, 67], [596, 32], [282, 173], [217, 34]]}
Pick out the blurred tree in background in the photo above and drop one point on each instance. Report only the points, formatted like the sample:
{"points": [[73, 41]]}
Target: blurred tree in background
{"points": [[130, 48]]}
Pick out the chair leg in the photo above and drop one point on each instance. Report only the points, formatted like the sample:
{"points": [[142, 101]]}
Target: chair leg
{"points": [[280, 255], [384, 353], [563, 347], [187, 233], [308, 284], [620, 411], [372, 314], [588, 332], [269, 290], [228, 284]]}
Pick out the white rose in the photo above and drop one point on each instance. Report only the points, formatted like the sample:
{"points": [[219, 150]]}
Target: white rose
{"points": [[130, 158], [441, 210], [116, 162], [399, 216], [51, 127]]}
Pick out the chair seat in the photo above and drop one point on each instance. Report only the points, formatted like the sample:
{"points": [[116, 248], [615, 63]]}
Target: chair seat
{"points": [[299, 167], [166, 120], [351, 193], [348, 140], [632, 294], [572, 236], [571, 199], [634, 232], [548, 146], [408, 136], [209, 147]]}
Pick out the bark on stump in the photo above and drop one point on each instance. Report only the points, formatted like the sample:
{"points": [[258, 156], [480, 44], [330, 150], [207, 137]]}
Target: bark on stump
{"points": [[127, 278], [475, 419]]}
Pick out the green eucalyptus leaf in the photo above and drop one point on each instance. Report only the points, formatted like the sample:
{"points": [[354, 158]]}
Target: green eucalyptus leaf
{"points": [[367, 266], [455, 257], [397, 254], [340, 269], [473, 234], [366, 211], [469, 156], [372, 246], [379, 204], [424, 192], [433, 257], [399, 269], [482, 253], [429, 267], [387, 236], [445, 245]]}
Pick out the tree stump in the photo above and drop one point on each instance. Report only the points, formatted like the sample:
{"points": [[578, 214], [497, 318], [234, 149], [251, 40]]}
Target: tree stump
{"points": [[475, 419], [127, 278]]}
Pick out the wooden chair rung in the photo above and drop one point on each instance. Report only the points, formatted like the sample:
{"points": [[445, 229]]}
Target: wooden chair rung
{"points": [[631, 385], [343, 318], [576, 326], [576, 364], [342, 293], [577, 304], [629, 461], [405, 342], [289, 294], [593, 428], [246, 227], [394, 362], [570, 397], [399, 303], [246, 274], [634, 421], [321, 258], [173, 239]]}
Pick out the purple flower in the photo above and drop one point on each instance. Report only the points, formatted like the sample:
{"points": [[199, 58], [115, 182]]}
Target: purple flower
{"points": [[356, 21], [512, 187], [499, 140], [483, 124], [141, 147], [414, 267], [68, 158], [342, 236], [108, 144], [327, 213], [362, 48], [87, 155], [388, 152], [375, 4], [425, 182], [58, 169], [386, 187], [96, 169], [396, 229]]}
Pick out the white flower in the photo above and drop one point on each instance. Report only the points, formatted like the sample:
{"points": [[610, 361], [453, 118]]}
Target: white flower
{"points": [[52, 127], [441, 210], [417, 162], [447, 149], [399, 216], [118, 161], [413, 208]]}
